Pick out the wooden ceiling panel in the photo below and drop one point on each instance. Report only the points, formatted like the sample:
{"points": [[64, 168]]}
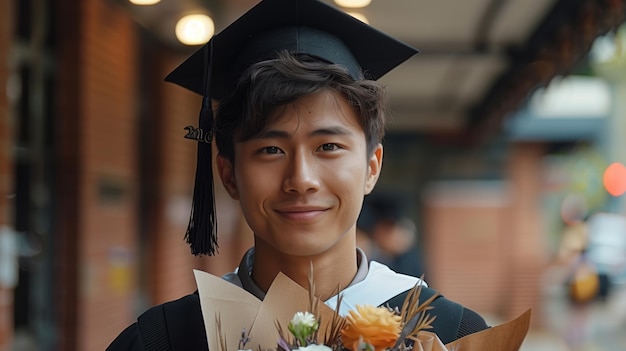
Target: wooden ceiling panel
{"points": [[421, 77], [474, 77], [428, 21]]}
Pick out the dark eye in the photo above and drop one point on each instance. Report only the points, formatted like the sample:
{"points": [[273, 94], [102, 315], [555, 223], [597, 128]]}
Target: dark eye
{"points": [[271, 150], [329, 147]]}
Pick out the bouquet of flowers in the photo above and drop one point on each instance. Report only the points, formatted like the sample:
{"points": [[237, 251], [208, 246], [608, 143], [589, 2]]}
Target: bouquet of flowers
{"points": [[367, 328], [316, 327]]}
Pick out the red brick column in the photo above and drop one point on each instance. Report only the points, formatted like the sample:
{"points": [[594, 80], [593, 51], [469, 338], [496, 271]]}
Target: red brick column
{"points": [[6, 162], [466, 242], [526, 244], [97, 133]]}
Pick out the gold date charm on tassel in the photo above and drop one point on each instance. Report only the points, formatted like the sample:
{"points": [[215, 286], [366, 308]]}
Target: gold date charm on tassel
{"points": [[198, 134]]}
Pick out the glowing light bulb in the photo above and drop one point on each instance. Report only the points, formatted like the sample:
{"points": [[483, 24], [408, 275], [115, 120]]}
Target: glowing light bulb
{"points": [[353, 4], [144, 2], [195, 29]]}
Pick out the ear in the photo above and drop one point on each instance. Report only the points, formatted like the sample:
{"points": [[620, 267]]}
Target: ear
{"points": [[227, 175], [374, 165]]}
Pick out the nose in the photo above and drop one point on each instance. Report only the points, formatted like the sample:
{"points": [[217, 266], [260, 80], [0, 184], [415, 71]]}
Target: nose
{"points": [[301, 175]]}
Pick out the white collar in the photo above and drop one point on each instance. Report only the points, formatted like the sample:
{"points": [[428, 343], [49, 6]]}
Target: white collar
{"points": [[379, 286], [373, 284]]}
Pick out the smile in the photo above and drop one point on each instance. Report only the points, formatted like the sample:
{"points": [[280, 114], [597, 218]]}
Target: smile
{"points": [[301, 213]]}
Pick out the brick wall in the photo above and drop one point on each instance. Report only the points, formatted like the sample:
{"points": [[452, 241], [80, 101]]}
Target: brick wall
{"points": [[98, 179], [484, 241], [6, 161], [466, 243]]}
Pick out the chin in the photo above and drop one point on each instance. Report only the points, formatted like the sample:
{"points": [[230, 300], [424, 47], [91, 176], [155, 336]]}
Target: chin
{"points": [[303, 251]]}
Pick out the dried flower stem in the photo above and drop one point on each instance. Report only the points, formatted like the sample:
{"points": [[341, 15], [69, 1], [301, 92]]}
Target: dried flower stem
{"points": [[332, 336], [414, 316], [313, 300]]}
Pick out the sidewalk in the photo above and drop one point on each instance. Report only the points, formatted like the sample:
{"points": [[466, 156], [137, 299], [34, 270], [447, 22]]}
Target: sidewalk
{"points": [[543, 341], [600, 328]]}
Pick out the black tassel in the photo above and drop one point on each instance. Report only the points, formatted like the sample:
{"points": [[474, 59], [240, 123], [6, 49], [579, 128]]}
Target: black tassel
{"points": [[201, 232]]}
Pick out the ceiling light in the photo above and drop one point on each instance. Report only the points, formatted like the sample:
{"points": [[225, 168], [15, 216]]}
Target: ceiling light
{"points": [[195, 29], [144, 2], [353, 4]]}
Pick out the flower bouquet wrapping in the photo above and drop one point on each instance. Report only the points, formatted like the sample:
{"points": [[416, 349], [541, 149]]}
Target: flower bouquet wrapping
{"points": [[291, 318]]}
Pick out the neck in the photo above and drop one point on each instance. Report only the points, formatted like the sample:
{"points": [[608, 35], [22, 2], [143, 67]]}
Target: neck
{"points": [[333, 270]]}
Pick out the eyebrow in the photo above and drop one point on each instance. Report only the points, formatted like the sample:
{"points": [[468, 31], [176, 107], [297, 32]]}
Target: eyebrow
{"points": [[280, 134]]}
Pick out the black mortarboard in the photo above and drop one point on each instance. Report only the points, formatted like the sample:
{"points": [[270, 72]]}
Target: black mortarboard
{"points": [[298, 26]]}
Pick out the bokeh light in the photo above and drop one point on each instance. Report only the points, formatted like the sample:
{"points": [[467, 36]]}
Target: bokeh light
{"points": [[195, 29], [144, 2], [614, 179], [353, 4]]}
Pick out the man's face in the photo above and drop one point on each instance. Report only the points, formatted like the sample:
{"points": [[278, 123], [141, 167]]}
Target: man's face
{"points": [[301, 181]]}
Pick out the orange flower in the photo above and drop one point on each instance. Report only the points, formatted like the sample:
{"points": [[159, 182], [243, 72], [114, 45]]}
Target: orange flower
{"points": [[377, 326]]}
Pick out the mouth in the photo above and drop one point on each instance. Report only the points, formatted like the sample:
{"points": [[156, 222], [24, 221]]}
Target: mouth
{"points": [[301, 213]]}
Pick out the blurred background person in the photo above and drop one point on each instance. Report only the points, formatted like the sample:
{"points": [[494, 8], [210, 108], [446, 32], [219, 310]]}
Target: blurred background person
{"points": [[388, 235], [582, 283]]}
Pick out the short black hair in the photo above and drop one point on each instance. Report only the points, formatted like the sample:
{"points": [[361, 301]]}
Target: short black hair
{"points": [[270, 84]]}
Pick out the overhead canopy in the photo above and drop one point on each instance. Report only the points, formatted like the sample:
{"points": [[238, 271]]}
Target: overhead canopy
{"points": [[478, 60]]}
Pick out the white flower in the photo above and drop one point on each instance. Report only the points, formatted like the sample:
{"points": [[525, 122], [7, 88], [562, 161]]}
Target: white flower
{"points": [[306, 319], [315, 347], [303, 326]]}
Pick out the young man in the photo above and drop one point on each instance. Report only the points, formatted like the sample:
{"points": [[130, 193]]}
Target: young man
{"points": [[298, 131]]}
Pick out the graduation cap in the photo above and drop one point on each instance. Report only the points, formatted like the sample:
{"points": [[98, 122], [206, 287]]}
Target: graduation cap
{"points": [[299, 26]]}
